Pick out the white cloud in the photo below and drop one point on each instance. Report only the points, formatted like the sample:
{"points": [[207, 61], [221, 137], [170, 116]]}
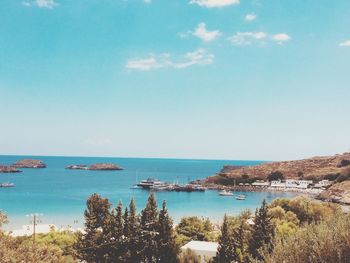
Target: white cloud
{"points": [[346, 43], [147, 1], [49, 4], [197, 57], [250, 17], [247, 38], [281, 38], [207, 36], [214, 3]]}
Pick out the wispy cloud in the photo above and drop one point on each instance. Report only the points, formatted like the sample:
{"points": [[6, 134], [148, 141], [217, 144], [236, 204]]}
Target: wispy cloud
{"points": [[204, 34], [250, 17], [147, 1], [164, 60], [249, 38], [214, 3], [49, 4], [281, 38], [345, 43]]}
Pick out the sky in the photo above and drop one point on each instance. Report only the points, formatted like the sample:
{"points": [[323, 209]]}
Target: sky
{"points": [[212, 79]]}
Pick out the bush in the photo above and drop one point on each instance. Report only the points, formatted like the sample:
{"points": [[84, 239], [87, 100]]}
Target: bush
{"points": [[328, 241], [275, 176]]}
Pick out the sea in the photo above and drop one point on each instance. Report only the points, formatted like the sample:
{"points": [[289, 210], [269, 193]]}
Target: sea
{"points": [[59, 195]]}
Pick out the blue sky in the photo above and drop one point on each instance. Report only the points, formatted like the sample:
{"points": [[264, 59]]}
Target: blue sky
{"points": [[222, 79]]}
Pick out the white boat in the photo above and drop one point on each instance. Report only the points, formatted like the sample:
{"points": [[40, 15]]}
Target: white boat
{"points": [[240, 197], [152, 183], [7, 185], [225, 193]]}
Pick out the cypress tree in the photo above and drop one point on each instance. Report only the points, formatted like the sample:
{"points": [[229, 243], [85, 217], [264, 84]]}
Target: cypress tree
{"points": [[90, 245], [118, 235], [133, 237], [166, 239], [262, 233], [149, 230], [227, 248]]}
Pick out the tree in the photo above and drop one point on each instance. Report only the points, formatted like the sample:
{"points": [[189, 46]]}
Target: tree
{"points": [[166, 239], [91, 245], [227, 245], [194, 228], [134, 233], [113, 235], [262, 233], [189, 256], [275, 176], [149, 230]]}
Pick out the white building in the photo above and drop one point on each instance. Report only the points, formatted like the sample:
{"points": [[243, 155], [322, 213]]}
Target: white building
{"points": [[323, 184], [291, 183], [261, 184], [205, 250], [278, 184]]}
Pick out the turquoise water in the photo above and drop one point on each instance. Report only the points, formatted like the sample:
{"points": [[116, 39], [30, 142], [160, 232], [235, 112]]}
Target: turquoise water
{"points": [[61, 194]]}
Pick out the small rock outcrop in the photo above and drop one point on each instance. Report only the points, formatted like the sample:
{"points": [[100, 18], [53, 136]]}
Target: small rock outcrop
{"points": [[104, 167], [95, 167], [29, 163], [77, 167], [8, 169]]}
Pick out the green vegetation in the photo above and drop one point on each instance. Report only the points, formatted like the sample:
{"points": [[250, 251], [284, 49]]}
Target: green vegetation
{"points": [[275, 176], [111, 236], [195, 228], [287, 230]]}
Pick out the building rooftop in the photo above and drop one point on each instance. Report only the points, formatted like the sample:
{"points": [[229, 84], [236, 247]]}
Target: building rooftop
{"points": [[201, 246]]}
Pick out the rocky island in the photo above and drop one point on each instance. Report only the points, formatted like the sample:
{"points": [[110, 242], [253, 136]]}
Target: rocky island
{"points": [[8, 169], [29, 163], [95, 167]]}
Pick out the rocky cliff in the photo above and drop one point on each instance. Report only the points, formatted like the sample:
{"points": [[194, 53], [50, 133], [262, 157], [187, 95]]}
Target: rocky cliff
{"points": [[339, 193], [315, 168]]}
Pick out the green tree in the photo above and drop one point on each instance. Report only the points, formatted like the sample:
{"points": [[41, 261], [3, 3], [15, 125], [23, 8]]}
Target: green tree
{"points": [[166, 239], [91, 245], [262, 232], [149, 230], [134, 234], [275, 176], [113, 235], [227, 245]]}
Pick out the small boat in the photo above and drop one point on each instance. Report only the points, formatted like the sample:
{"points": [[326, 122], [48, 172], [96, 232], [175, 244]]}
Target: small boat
{"points": [[240, 197], [7, 185], [152, 183], [225, 193]]}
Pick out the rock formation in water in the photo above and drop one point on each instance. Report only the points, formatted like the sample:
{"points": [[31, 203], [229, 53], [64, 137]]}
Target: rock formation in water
{"points": [[95, 167], [8, 169], [29, 163]]}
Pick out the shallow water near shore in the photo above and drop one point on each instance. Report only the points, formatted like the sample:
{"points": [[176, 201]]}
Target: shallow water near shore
{"points": [[60, 194]]}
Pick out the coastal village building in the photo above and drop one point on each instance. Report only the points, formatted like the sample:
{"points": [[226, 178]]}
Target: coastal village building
{"points": [[261, 183], [206, 250], [291, 183], [323, 184]]}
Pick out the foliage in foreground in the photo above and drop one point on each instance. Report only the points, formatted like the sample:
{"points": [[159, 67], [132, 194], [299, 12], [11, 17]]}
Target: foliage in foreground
{"points": [[111, 236]]}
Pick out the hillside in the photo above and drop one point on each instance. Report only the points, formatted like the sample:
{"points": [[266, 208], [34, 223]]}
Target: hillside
{"points": [[316, 168]]}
